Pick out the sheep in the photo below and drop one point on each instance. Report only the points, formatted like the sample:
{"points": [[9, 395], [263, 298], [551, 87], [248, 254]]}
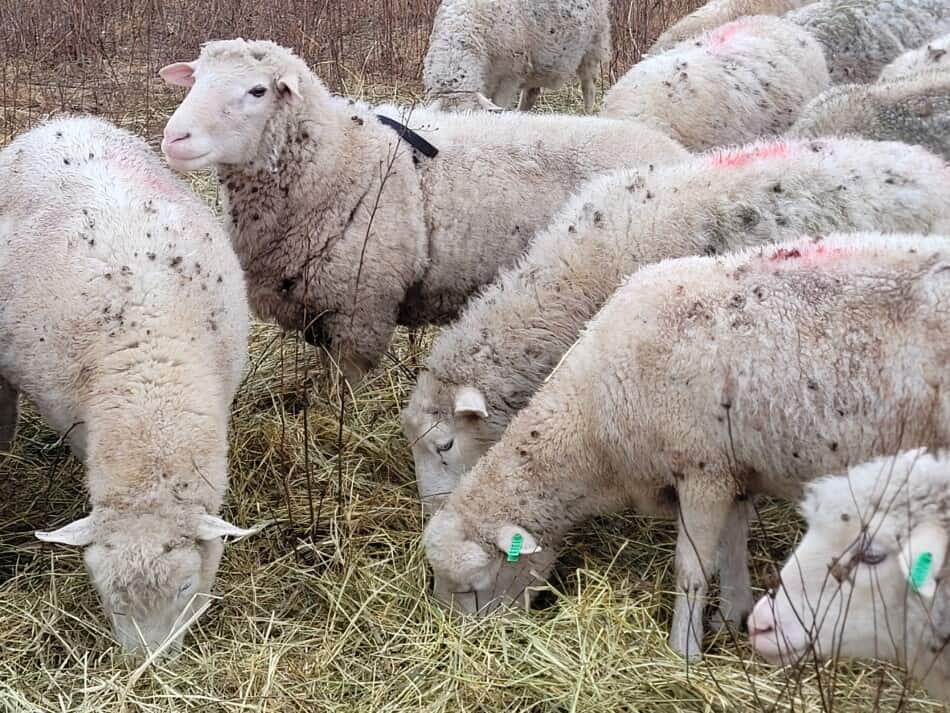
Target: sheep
{"points": [[705, 381], [343, 230], [743, 80], [718, 12], [915, 110], [485, 368], [935, 56], [851, 588], [498, 47], [123, 316], [861, 36]]}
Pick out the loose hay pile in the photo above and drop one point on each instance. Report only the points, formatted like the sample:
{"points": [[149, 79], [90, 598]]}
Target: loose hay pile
{"points": [[326, 609]]}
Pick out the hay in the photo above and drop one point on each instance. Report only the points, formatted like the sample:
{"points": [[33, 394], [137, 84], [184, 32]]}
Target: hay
{"points": [[325, 609]]}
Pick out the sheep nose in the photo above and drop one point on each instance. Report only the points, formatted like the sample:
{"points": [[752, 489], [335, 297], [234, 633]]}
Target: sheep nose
{"points": [[761, 620], [172, 137]]}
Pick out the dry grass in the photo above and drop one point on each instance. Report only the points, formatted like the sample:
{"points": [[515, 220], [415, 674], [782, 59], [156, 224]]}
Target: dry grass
{"points": [[326, 610]]}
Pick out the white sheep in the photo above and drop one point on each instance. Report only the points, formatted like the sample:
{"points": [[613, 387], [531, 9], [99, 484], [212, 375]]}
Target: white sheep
{"points": [[485, 367], [123, 317], [718, 12], [934, 56], [343, 229], [498, 47], [702, 382], [869, 578], [914, 110], [861, 36], [743, 80]]}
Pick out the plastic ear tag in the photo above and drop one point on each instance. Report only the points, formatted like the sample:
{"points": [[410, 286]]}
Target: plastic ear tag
{"points": [[920, 571], [514, 549]]}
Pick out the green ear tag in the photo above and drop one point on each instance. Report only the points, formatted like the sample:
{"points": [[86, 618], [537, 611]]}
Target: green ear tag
{"points": [[920, 570], [514, 550]]}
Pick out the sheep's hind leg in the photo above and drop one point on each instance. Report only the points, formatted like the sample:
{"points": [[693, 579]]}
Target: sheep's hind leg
{"points": [[529, 95], [506, 93], [9, 414], [589, 90], [735, 587], [702, 519]]}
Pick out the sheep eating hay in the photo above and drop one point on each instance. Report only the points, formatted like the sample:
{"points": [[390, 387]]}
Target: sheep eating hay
{"points": [[861, 36], [342, 229], [123, 317], [704, 381], [743, 80], [496, 47], [868, 579], [484, 368]]}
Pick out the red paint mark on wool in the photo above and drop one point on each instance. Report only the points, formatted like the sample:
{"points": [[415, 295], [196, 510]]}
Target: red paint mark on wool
{"points": [[812, 253], [132, 166], [740, 157], [721, 36], [785, 254]]}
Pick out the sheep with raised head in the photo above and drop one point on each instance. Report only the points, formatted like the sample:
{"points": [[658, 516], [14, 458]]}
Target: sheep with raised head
{"points": [[342, 228], [914, 110], [123, 317], [869, 578], [496, 48], [935, 56], [743, 80], [860, 37], [718, 12], [705, 381], [485, 368]]}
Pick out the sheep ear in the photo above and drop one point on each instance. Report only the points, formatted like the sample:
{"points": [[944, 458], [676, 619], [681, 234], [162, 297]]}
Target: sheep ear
{"points": [[922, 557], [486, 103], [470, 402], [935, 53], [211, 527], [181, 74], [78, 533], [506, 533], [289, 85]]}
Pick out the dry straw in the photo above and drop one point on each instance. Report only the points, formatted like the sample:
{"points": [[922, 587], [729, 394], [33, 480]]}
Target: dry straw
{"points": [[325, 609]]}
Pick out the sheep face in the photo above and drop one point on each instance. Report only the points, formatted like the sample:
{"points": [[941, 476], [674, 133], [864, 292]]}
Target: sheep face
{"points": [[845, 591], [471, 572], [153, 572], [444, 424], [223, 118]]}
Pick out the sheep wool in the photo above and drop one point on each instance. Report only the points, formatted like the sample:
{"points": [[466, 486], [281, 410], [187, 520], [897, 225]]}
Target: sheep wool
{"points": [[705, 381], [934, 56], [498, 47], [741, 81], [123, 317]]}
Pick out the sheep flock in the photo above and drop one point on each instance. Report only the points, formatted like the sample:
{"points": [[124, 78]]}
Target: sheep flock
{"points": [[457, 402]]}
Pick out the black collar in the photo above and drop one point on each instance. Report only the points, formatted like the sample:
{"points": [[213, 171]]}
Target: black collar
{"points": [[410, 137]]}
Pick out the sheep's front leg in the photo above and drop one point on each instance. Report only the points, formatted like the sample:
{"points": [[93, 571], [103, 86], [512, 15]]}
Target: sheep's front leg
{"points": [[506, 92], [9, 414], [529, 95], [702, 518], [589, 89], [735, 587]]}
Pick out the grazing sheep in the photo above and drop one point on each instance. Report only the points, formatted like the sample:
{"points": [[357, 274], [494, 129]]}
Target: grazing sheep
{"points": [[702, 382], [746, 79], [498, 47], [123, 317], [485, 368], [718, 12], [915, 110], [861, 36], [342, 228], [851, 589], [935, 56]]}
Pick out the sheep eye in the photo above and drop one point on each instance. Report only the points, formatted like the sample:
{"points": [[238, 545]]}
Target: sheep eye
{"points": [[258, 91], [871, 557], [443, 447]]}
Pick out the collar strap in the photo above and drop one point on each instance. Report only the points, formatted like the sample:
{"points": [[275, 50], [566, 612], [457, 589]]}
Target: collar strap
{"points": [[410, 137]]}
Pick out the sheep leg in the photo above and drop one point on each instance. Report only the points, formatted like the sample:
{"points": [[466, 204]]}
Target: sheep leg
{"points": [[9, 414], [589, 89], [702, 519], [735, 587], [529, 95], [505, 93]]}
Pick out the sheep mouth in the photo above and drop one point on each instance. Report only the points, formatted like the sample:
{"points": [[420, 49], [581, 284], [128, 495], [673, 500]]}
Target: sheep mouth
{"points": [[784, 653]]}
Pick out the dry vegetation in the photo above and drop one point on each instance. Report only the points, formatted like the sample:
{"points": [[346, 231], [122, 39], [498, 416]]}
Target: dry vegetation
{"points": [[325, 609]]}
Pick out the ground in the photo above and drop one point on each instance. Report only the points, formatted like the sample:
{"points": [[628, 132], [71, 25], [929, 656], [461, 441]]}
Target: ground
{"points": [[326, 609]]}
